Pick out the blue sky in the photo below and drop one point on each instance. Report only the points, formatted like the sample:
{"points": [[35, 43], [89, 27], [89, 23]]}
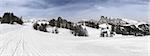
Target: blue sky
{"points": [[77, 8]]}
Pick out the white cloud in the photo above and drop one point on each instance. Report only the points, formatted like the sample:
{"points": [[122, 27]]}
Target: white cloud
{"points": [[77, 10]]}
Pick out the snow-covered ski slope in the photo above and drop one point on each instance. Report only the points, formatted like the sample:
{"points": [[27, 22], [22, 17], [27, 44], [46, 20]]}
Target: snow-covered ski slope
{"points": [[16, 40]]}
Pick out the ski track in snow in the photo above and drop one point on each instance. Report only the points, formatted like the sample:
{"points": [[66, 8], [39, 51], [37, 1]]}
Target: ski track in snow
{"points": [[24, 41]]}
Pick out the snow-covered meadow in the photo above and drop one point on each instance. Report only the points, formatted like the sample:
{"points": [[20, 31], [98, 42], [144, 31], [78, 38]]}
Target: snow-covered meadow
{"points": [[23, 40]]}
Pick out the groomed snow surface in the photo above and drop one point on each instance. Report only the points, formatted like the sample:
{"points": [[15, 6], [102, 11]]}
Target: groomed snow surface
{"points": [[17, 40]]}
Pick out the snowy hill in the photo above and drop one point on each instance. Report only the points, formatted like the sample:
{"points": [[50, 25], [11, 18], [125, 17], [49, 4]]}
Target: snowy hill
{"points": [[16, 40], [134, 22]]}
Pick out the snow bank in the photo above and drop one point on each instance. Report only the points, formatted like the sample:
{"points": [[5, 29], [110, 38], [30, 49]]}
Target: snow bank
{"points": [[4, 28], [29, 42]]}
